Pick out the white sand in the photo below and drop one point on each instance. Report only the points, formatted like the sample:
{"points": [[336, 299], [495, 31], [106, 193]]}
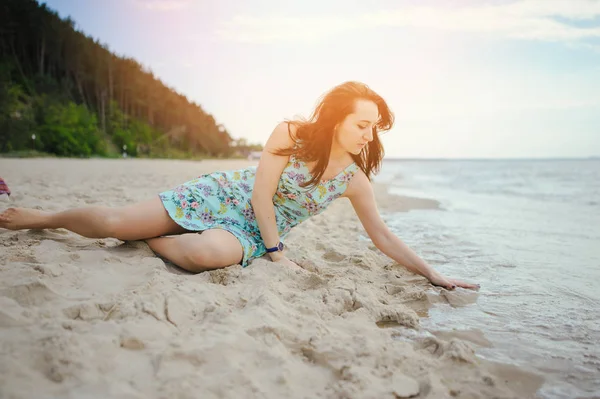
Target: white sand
{"points": [[100, 318]]}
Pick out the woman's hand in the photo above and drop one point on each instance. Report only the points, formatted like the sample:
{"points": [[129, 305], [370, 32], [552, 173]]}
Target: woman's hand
{"points": [[449, 283], [279, 257]]}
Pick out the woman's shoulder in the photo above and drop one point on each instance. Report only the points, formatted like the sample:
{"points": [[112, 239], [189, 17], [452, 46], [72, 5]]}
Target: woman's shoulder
{"points": [[282, 136], [292, 128], [358, 185]]}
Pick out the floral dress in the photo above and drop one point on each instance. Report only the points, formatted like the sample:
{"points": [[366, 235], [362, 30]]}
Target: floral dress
{"points": [[221, 200]]}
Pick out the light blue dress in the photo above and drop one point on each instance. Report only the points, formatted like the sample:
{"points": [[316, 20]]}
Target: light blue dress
{"points": [[221, 200]]}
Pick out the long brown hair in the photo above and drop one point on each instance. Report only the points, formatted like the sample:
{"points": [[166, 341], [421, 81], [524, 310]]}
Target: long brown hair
{"points": [[314, 137]]}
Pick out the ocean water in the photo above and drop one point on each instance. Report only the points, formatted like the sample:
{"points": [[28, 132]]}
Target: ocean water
{"points": [[529, 232]]}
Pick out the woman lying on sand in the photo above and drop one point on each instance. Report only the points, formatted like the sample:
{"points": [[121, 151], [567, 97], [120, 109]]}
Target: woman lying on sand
{"points": [[244, 214]]}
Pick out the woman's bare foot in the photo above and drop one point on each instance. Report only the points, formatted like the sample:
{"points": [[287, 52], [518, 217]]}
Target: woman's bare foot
{"points": [[23, 218]]}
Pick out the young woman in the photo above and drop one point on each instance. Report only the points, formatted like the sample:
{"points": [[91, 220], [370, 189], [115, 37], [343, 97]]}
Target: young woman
{"points": [[244, 214]]}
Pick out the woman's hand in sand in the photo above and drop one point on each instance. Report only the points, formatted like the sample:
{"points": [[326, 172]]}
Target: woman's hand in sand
{"points": [[450, 283], [281, 258]]}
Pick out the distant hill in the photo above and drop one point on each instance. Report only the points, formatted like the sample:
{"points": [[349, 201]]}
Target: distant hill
{"points": [[80, 99]]}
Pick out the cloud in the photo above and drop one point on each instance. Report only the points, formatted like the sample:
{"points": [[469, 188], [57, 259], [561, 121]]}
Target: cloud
{"points": [[588, 46], [162, 5], [274, 29], [545, 20]]}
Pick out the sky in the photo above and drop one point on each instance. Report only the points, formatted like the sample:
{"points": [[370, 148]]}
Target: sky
{"points": [[464, 78]]}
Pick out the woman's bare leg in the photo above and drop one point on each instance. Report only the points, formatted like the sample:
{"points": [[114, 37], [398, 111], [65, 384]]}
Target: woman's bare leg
{"points": [[213, 249], [137, 221]]}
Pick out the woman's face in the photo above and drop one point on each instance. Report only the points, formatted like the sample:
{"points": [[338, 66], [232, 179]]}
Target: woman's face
{"points": [[356, 131]]}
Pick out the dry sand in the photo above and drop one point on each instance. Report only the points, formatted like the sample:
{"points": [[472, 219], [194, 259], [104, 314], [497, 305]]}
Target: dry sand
{"points": [[102, 318]]}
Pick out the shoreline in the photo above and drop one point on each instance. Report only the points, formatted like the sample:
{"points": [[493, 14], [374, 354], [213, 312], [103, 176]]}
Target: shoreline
{"points": [[389, 202], [104, 317], [526, 382]]}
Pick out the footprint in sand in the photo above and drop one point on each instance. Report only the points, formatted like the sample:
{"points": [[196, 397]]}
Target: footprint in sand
{"points": [[333, 256], [31, 293]]}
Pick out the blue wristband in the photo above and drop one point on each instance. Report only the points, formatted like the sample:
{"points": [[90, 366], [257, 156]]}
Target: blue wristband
{"points": [[279, 247]]}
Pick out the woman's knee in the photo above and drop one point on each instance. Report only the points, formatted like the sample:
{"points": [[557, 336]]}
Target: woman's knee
{"points": [[204, 257], [114, 223], [199, 259], [209, 252]]}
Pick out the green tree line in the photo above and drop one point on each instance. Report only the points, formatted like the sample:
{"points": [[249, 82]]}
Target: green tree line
{"points": [[80, 99]]}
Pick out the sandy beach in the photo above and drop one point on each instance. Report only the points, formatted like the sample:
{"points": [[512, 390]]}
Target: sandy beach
{"points": [[103, 318]]}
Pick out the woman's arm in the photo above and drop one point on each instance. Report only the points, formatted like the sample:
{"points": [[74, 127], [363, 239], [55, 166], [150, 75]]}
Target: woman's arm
{"points": [[268, 173], [360, 193]]}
